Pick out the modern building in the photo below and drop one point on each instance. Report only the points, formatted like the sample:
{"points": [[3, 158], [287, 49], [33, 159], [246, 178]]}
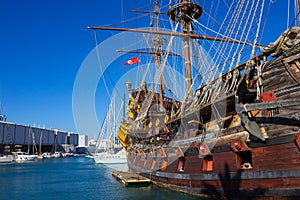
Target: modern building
{"points": [[83, 141]]}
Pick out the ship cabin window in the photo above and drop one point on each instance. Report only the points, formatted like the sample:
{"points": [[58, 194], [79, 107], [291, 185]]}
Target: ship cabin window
{"points": [[180, 164], [207, 163], [244, 160]]}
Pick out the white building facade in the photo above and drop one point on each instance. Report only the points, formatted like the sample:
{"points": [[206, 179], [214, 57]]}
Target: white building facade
{"points": [[83, 141]]}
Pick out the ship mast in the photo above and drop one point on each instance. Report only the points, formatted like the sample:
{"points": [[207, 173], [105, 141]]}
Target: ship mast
{"points": [[183, 13], [158, 58]]}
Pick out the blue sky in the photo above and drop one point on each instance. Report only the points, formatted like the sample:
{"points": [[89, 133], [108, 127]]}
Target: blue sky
{"points": [[43, 44]]}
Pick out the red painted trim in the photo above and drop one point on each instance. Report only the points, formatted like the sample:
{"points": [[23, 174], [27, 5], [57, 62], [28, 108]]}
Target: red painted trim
{"points": [[203, 150], [239, 146], [268, 96], [297, 139]]}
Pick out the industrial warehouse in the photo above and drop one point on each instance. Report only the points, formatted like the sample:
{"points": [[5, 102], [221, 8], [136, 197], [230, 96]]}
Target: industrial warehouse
{"points": [[15, 137]]}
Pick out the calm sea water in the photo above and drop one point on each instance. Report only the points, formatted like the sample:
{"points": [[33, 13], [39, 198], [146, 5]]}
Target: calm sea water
{"points": [[72, 178]]}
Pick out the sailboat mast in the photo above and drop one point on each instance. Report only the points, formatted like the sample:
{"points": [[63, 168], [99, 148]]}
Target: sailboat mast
{"points": [[124, 104], [28, 145], [40, 146], [114, 122], [184, 12]]}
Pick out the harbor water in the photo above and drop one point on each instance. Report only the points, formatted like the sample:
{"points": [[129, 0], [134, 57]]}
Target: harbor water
{"points": [[72, 178]]}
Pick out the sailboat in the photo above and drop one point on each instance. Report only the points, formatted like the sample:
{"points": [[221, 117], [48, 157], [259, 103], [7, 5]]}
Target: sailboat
{"points": [[236, 132], [21, 156], [109, 151]]}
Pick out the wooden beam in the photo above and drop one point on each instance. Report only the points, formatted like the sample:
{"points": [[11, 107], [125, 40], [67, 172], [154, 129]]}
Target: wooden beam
{"points": [[177, 34], [151, 12], [152, 53]]}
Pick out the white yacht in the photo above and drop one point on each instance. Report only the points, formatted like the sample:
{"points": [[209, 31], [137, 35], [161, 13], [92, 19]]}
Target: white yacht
{"points": [[23, 157], [110, 158], [57, 154], [6, 159], [108, 149]]}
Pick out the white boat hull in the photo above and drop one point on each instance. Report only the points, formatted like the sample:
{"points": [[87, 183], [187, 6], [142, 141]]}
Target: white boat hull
{"points": [[6, 159], [109, 159], [25, 158], [22, 157], [117, 161]]}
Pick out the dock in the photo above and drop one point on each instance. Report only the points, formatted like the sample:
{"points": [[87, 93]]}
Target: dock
{"points": [[128, 178]]}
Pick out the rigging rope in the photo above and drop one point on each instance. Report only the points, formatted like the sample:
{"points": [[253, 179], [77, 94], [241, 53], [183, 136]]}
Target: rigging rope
{"points": [[288, 15], [146, 104], [222, 47], [258, 28], [243, 32], [206, 61], [100, 67], [211, 30], [265, 21], [237, 23], [296, 9]]}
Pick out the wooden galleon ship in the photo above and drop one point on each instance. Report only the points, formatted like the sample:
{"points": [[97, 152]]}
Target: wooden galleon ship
{"points": [[235, 133]]}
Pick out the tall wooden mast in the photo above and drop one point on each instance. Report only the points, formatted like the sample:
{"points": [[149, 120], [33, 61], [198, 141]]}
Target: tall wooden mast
{"points": [[158, 46], [184, 12]]}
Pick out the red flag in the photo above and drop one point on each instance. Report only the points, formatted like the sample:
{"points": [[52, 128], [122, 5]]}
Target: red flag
{"points": [[132, 61]]}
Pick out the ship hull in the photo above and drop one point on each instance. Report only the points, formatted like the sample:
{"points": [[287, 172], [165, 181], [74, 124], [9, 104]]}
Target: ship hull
{"points": [[274, 172], [252, 150]]}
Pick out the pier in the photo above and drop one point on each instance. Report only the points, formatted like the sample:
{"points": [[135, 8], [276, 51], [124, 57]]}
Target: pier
{"points": [[128, 178]]}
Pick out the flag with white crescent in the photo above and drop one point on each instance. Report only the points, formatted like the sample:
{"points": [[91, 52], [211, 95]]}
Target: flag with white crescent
{"points": [[132, 61]]}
